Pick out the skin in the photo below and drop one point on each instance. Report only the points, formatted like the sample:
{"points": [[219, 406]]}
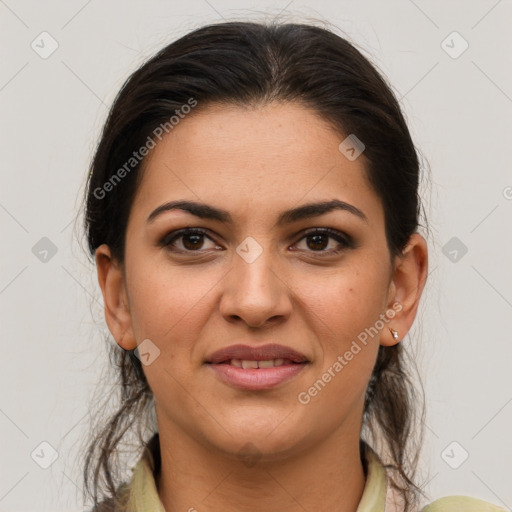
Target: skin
{"points": [[256, 163]]}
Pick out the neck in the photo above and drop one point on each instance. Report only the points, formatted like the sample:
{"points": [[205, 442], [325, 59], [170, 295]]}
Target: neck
{"points": [[328, 476]]}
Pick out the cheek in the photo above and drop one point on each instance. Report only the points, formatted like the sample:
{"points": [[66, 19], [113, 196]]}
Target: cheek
{"points": [[344, 315], [166, 304], [346, 324], [348, 302], [169, 306]]}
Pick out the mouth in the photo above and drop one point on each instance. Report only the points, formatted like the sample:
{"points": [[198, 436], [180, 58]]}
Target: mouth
{"points": [[270, 354], [247, 364], [256, 368], [256, 377]]}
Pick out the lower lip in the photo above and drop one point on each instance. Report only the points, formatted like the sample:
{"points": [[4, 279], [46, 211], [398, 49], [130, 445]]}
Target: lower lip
{"points": [[256, 379]]}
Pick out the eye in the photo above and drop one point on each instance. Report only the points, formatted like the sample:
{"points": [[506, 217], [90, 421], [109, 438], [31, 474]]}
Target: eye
{"points": [[317, 239], [192, 239]]}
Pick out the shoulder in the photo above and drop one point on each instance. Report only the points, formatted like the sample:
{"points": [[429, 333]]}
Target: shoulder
{"points": [[461, 504]]}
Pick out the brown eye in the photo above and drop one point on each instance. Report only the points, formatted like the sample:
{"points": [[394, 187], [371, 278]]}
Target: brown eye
{"points": [[317, 240], [192, 240]]}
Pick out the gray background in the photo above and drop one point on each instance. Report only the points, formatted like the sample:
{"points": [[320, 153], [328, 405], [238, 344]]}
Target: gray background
{"points": [[52, 109]]}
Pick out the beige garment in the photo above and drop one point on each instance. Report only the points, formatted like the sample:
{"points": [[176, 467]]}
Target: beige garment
{"points": [[378, 495]]}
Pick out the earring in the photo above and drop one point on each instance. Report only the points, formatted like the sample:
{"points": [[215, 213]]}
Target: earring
{"points": [[394, 333]]}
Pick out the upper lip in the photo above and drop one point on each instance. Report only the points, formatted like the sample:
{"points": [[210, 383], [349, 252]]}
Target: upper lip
{"points": [[260, 353]]}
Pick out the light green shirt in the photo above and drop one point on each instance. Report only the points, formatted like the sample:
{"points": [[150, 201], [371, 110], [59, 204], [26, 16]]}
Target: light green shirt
{"points": [[144, 495]]}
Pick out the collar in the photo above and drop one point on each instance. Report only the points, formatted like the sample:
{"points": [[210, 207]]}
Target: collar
{"points": [[144, 494]]}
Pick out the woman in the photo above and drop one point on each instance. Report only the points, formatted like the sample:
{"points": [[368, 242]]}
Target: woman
{"points": [[252, 209]]}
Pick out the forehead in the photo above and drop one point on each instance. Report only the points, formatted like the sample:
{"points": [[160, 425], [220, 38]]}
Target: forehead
{"points": [[253, 160]]}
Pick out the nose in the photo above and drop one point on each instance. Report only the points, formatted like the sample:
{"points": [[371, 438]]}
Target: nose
{"points": [[254, 292]]}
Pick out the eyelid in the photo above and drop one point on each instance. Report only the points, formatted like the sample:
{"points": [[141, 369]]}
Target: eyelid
{"points": [[340, 236], [173, 235], [334, 233]]}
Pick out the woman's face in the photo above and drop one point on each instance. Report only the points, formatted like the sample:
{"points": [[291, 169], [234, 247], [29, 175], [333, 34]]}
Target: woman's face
{"points": [[257, 279]]}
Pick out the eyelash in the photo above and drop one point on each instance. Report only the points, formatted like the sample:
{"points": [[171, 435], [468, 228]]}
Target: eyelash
{"points": [[342, 238]]}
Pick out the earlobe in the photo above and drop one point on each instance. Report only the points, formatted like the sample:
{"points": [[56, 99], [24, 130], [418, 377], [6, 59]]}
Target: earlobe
{"points": [[405, 289], [117, 310]]}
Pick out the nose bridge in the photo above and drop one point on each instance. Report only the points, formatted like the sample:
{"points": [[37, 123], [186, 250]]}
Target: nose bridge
{"points": [[254, 292], [256, 274], [254, 264]]}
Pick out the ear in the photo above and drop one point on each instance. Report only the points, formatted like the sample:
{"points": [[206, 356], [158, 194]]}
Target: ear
{"points": [[115, 298], [405, 289]]}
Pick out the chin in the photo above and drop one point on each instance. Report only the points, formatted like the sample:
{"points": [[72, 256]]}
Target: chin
{"points": [[254, 440]]}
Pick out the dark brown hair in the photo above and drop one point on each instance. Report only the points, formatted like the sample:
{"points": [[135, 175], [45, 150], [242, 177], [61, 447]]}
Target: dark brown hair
{"points": [[250, 64]]}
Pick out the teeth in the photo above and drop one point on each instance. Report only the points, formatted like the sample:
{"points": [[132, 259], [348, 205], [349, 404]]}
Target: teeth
{"points": [[245, 363]]}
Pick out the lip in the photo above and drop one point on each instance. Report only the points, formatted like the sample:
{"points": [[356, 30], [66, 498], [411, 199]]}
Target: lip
{"points": [[260, 353], [256, 379]]}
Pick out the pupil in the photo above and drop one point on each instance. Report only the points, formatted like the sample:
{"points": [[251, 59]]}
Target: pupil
{"points": [[197, 241], [316, 239]]}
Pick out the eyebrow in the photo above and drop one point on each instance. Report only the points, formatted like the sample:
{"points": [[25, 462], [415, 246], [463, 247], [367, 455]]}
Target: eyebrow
{"points": [[205, 211]]}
